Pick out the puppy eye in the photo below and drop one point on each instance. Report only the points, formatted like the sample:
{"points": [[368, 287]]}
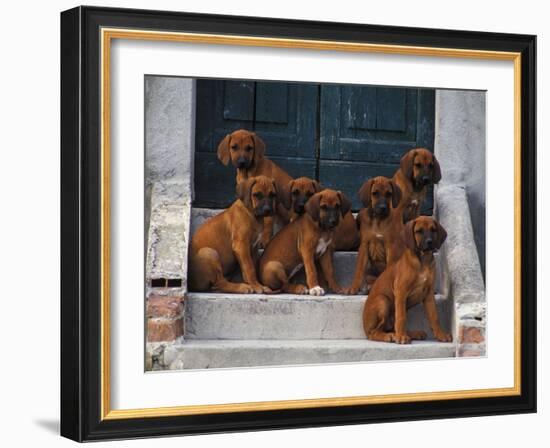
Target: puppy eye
{"points": [[388, 194], [430, 165], [234, 146], [248, 148], [418, 165], [324, 206], [309, 194], [258, 195], [376, 194], [337, 206], [271, 195], [295, 192]]}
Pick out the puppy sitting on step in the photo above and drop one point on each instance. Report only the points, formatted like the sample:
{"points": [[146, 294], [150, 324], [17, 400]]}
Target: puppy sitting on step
{"points": [[232, 238], [246, 151], [302, 243], [295, 197], [404, 284], [418, 169], [380, 226]]}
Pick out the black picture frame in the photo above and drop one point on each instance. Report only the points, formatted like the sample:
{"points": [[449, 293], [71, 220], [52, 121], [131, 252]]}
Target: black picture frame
{"points": [[81, 224]]}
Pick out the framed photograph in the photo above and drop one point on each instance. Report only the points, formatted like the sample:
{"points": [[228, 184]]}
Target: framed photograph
{"points": [[277, 224]]}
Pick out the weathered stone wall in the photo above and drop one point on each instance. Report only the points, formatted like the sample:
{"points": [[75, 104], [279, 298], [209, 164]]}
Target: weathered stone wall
{"points": [[170, 105], [169, 163], [460, 147], [467, 287]]}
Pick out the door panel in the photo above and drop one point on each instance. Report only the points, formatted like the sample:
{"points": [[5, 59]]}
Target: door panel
{"points": [[365, 131], [281, 113]]}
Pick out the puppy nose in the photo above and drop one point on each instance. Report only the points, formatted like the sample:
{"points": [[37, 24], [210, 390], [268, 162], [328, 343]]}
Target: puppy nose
{"points": [[299, 208], [266, 209], [382, 206], [425, 180], [241, 162], [429, 242]]}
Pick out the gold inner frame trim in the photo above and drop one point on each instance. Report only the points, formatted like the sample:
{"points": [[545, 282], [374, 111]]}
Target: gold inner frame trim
{"points": [[107, 34]]}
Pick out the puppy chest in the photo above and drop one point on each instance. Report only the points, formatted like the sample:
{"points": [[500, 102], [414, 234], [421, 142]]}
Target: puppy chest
{"points": [[256, 241], [322, 246], [377, 249]]}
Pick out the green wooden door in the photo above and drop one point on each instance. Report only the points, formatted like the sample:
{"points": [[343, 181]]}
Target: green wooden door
{"points": [[339, 135], [283, 114]]}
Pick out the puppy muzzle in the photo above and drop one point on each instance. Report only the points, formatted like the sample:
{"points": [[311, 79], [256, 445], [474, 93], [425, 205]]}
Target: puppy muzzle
{"points": [[242, 162]]}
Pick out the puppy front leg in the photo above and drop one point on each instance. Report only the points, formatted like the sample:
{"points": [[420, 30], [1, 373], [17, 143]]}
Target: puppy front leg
{"points": [[311, 272], [246, 263], [433, 319], [401, 336], [328, 271], [360, 269], [267, 231]]}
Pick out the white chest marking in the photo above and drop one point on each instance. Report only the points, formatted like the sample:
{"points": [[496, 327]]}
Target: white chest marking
{"points": [[258, 239], [379, 236], [295, 270], [322, 246], [414, 202]]}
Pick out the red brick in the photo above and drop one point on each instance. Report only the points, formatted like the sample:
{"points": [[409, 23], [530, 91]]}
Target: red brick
{"points": [[472, 350], [164, 306], [159, 330], [471, 335]]}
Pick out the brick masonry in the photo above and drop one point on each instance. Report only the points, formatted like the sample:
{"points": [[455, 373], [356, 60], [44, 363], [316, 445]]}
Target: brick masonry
{"points": [[164, 318]]}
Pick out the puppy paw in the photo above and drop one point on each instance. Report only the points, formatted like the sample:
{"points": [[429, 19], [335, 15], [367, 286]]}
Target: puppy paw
{"points": [[351, 291], [444, 337], [402, 339], [259, 289], [316, 291], [418, 335], [245, 288]]}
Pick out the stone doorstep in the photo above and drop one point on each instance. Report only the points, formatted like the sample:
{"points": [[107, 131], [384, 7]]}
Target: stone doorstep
{"points": [[204, 354], [287, 316]]}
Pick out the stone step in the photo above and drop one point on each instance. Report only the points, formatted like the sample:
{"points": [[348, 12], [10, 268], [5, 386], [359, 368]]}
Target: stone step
{"points": [[207, 354], [287, 316]]}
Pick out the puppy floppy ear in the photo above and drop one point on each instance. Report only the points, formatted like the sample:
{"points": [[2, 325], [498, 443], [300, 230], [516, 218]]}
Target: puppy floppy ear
{"points": [[284, 194], [313, 206], [223, 149], [408, 235], [396, 194], [277, 194], [407, 162], [244, 188], [364, 193], [345, 203], [441, 234], [316, 186], [436, 172], [259, 147]]}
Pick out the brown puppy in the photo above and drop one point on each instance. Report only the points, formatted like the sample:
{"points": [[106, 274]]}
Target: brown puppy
{"points": [[380, 227], [298, 192], [246, 151], [302, 243], [232, 238], [418, 169], [404, 284]]}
